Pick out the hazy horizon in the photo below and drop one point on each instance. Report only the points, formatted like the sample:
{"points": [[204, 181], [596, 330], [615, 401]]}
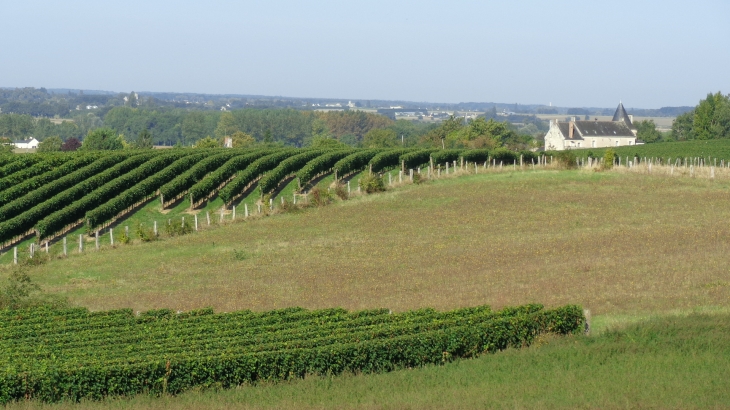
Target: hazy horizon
{"points": [[567, 53]]}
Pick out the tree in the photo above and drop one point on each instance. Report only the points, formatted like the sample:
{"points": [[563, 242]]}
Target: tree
{"points": [[193, 126], [226, 125], [207, 142], [380, 138], [6, 146], [102, 139], [50, 144], [682, 127], [646, 131], [242, 140], [71, 144], [327, 143], [144, 140]]}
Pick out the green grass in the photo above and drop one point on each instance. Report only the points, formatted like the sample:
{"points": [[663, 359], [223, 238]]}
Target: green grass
{"points": [[680, 361]]}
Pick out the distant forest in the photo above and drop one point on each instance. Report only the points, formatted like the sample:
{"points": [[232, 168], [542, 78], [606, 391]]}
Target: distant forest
{"points": [[183, 119]]}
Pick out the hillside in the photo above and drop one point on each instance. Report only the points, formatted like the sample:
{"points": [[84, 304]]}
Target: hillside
{"points": [[614, 243]]}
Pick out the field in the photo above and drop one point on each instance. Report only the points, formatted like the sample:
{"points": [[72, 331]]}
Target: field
{"points": [[614, 243], [710, 150], [670, 362], [626, 245]]}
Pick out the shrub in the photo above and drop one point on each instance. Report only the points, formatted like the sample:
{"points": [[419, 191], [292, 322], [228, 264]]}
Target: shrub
{"points": [[341, 192], [320, 197], [372, 183], [124, 238], [176, 229], [566, 159], [145, 234], [417, 179], [608, 158]]}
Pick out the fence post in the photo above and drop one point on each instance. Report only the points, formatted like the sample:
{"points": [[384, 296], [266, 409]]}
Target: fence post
{"points": [[447, 168], [31, 250], [348, 188], [221, 215], [111, 235], [182, 222], [196, 222], [271, 204], [390, 179], [294, 198], [207, 217], [400, 176], [259, 206], [81, 243], [15, 255], [96, 239], [410, 172], [233, 215], [154, 228], [65, 248], [245, 210]]}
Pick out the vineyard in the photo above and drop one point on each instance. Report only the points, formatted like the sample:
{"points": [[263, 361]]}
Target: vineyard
{"points": [[73, 354], [47, 195], [715, 149]]}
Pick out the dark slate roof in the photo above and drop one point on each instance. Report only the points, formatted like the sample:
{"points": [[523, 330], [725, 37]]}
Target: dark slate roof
{"points": [[565, 130], [621, 115], [603, 129], [582, 129]]}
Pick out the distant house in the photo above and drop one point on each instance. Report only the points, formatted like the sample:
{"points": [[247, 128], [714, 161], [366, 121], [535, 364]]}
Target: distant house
{"points": [[620, 131], [31, 143]]}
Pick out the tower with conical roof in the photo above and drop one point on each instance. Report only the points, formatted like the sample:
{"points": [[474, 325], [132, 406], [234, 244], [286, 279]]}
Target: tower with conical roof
{"points": [[621, 116]]}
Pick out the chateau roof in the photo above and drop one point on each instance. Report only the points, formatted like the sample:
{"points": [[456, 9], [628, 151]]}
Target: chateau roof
{"points": [[583, 129], [621, 115]]}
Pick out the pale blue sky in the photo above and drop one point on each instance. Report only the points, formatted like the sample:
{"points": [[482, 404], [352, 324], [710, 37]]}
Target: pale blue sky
{"points": [[571, 53]]}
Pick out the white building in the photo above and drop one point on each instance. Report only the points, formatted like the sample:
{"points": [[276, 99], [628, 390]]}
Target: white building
{"points": [[620, 131], [31, 143]]}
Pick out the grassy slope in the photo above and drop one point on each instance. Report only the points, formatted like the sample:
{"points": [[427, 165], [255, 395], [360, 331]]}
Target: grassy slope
{"points": [[617, 244], [670, 362]]}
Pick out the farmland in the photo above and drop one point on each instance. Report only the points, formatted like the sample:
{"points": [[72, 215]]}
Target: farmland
{"points": [[624, 244]]}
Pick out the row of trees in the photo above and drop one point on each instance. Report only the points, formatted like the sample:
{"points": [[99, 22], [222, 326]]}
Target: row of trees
{"points": [[710, 119]]}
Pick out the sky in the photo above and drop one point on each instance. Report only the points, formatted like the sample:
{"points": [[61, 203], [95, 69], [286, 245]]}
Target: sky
{"points": [[648, 54]]}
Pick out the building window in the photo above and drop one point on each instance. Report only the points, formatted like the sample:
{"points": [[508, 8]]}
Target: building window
{"points": [[617, 143], [594, 144]]}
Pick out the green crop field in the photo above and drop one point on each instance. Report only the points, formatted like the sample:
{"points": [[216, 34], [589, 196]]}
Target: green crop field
{"points": [[631, 247], [715, 149]]}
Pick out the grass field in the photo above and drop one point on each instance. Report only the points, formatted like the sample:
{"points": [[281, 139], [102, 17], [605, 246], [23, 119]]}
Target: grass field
{"points": [[633, 248], [618, 244], [671, 362]]}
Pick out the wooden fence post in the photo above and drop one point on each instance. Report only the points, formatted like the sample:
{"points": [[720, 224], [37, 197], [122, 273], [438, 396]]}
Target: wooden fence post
{"points": [[111, 235], [15, 255], [233, 215], [81, 243], [447, 168], [207, 217], [410, 172], [196, 222], [245, 210], [96, 239], [65, 248], [32, 250]]}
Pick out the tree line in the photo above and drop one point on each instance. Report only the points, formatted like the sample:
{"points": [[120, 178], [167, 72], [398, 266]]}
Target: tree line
{"points": [[142, 127]]}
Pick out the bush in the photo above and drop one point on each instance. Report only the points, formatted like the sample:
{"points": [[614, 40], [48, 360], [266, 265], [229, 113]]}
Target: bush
{"points": [[320, 197], [608, 158], [176, 229], [341, 192], [124, 238], [372, 183], [418, 179], [145, 234], [566, 159]]}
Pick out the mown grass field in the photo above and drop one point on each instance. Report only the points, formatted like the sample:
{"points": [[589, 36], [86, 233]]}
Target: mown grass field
{"points": [[615, 243], [678, 361]]}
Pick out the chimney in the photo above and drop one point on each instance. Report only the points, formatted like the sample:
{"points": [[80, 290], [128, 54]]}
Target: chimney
{"points": [[570, 133]]}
